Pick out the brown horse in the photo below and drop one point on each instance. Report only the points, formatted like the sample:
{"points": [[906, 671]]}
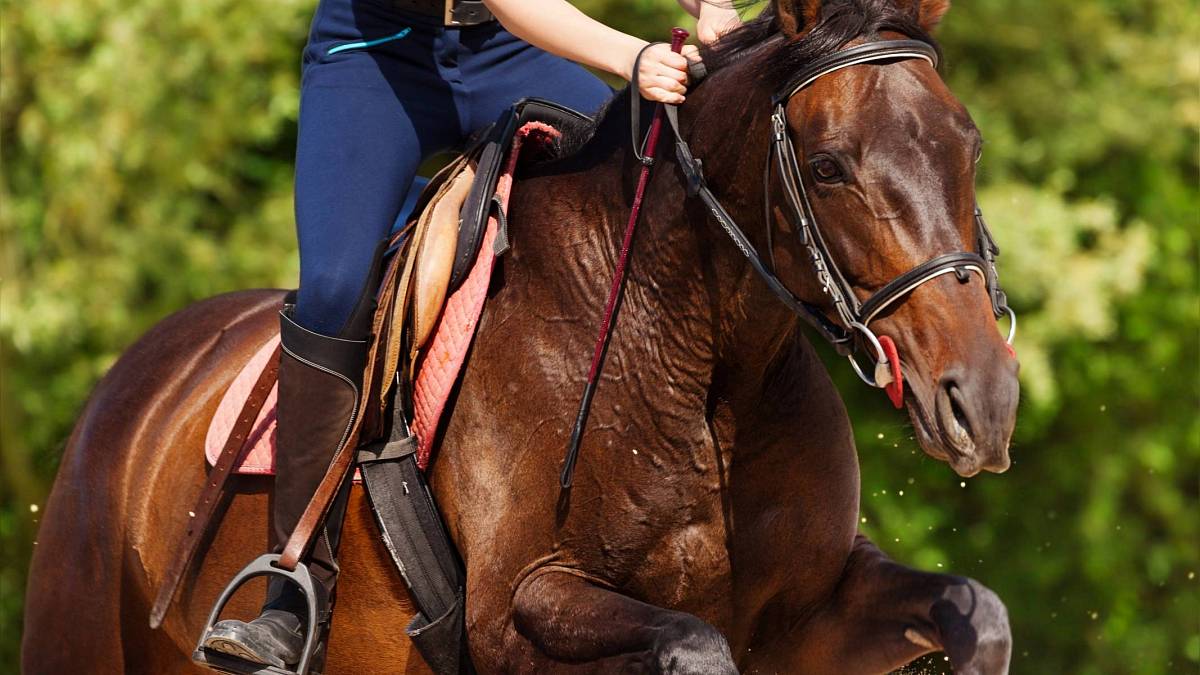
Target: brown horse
{"points": [[712, 522]]}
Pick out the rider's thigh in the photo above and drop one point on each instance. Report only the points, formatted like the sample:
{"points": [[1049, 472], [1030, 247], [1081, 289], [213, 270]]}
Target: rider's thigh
{"points": [[369, 113], [502, 69]]}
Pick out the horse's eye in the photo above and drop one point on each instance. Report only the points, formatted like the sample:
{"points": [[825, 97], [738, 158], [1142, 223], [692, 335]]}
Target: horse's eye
{"points": [[826, 170]]}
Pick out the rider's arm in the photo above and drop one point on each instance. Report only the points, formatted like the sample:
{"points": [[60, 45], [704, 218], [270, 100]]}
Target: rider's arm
{"points": [[560, 28], [714, 18]]}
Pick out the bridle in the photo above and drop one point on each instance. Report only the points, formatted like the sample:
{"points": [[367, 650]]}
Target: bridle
{"points": [[854, 316]]}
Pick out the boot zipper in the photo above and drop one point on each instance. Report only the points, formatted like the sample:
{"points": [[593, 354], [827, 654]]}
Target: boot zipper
{"points": [[354, 410]]}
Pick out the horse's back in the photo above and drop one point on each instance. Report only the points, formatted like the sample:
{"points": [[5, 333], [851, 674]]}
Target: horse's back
{"points": [[153, 397], [131, 472]]}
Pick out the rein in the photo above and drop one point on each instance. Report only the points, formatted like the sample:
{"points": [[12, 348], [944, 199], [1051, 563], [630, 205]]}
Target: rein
{"points": [[853, 315], [646, 157]]}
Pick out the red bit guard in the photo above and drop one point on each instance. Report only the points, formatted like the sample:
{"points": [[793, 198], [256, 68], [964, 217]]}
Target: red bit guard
{"points": [[895, 390]]}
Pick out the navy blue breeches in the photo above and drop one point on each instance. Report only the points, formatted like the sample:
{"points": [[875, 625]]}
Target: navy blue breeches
{"points": [[381, 90]]}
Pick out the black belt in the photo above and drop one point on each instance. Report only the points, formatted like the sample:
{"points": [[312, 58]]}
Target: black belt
{"points": [[449, 12]]}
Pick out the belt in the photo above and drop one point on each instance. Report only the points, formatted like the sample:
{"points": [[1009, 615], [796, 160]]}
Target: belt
{"points": [[449, 12]]}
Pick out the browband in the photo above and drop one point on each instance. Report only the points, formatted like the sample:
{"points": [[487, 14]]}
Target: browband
{"points": [[864, 53]]}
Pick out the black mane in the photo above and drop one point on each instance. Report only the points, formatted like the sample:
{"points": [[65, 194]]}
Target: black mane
{"points": [[840, 21]]}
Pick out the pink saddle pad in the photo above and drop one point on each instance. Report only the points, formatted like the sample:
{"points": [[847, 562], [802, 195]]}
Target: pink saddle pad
{"points": [[260, 459], [438, 366]]}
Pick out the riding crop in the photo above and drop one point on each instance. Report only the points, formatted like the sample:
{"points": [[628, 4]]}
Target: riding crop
{"points": [[678, 35]]}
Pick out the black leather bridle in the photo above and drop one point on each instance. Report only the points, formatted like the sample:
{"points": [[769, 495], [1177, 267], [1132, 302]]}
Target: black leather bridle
{"points": [[854, 315]]}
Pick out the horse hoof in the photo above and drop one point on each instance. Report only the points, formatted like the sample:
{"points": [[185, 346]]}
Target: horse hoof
{"points": [[692, 647], [975, 634]]}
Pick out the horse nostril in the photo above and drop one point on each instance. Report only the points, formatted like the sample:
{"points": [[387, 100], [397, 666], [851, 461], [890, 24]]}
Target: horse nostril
{"points": [[953, 417], [956, 407]]}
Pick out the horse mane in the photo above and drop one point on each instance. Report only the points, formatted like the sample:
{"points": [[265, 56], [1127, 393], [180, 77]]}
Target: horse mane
{"points": [[839, 22], [576, 133]]}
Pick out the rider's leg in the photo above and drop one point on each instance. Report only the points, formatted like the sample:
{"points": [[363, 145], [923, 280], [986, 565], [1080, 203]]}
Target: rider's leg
{"points": [[319, 381], [359, 148], [367, 118]]}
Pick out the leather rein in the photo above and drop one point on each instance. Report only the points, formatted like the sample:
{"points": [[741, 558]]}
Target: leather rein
{"points": [[854, 315]]}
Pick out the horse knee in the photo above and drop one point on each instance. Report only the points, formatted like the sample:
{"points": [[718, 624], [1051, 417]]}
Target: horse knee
{"points": [[973, 624], [691, 646]]}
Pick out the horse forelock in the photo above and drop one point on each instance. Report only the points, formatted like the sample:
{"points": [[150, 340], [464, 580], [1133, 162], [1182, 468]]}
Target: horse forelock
{"points": [[838, 23]]}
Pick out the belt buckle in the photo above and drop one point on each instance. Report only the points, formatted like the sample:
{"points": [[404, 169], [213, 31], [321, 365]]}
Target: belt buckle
{"points": [[459, 13]]}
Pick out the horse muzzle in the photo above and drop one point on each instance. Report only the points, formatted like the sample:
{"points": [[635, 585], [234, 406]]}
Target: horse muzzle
{"points": [[971, 420]]}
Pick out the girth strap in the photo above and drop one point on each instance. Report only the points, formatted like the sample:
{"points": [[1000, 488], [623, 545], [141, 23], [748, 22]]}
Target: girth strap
{"points": [[418, 544]]}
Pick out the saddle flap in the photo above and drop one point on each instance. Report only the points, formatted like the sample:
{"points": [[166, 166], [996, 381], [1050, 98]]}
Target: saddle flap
{"points": [[435, 255]]}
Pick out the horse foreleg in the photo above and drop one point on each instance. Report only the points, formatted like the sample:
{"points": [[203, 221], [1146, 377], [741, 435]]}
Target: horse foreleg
{"points": [[571, 619], [883, 615]]}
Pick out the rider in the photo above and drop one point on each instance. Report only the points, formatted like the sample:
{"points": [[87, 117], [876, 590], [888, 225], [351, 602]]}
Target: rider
{"points": [[385, 84]]}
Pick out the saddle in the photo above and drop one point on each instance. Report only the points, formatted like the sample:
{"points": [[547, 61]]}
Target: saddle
{"points": [[452, 211], [430, 297]]}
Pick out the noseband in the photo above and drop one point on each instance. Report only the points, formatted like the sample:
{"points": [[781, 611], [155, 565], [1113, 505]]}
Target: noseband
{"points": [[854, 315]]}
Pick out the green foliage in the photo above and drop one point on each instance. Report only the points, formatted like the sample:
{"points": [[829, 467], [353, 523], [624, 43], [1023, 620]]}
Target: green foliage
{"points": [[147, 155], [1089, 180], [147, 164]]}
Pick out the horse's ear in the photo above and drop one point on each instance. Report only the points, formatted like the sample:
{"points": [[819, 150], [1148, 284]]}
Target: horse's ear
{"points": [[930, 12], [796, 17]]}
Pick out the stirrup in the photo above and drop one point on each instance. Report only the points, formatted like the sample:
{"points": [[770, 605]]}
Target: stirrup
{"points": [[264, 565]]}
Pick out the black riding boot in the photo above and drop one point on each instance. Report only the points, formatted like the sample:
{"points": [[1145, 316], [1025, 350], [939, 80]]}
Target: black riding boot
{"points": [[319, 382]]}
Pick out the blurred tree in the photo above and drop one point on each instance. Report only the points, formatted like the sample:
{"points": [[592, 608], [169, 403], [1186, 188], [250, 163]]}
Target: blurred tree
{"points": [[147, 164], [147, 154], [1089, 179]]}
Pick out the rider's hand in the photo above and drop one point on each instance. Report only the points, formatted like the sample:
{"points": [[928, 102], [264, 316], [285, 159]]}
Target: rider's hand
{"points": [[662, 74], [715, 20]]}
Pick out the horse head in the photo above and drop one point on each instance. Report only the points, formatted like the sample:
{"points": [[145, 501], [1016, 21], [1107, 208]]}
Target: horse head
{"points": [[872, 219]]}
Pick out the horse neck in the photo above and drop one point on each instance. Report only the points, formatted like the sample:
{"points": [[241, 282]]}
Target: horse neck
{"points": [[685, 273], [726, 123]]}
